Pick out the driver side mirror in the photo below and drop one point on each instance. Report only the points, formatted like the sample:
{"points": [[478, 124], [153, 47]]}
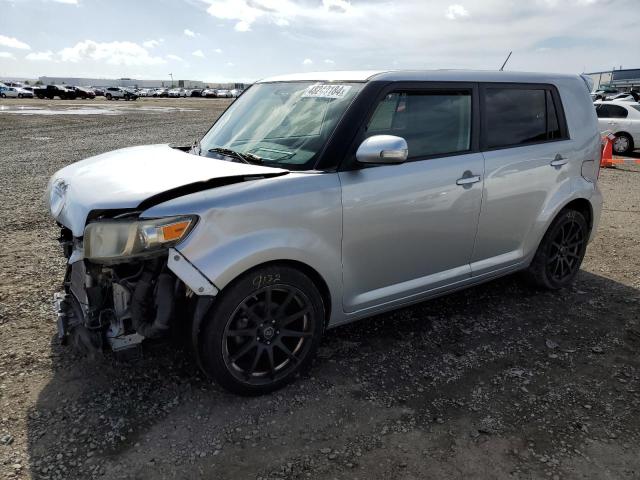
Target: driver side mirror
{"points": [[383, 149]]}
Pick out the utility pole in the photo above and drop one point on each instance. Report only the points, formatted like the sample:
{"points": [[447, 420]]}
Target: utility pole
{"points": [[171, 75]]}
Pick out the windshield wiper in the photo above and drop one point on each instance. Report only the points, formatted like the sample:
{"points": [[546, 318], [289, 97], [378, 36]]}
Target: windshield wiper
{"points": [[243, 157]]}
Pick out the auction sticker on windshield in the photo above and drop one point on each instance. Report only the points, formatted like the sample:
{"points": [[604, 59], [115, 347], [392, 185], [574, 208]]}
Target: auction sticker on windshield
{"points": [[326, 91]]}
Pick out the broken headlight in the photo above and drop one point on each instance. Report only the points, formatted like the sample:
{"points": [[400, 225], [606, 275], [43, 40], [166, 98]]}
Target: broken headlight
{"points": [[114, 239]]}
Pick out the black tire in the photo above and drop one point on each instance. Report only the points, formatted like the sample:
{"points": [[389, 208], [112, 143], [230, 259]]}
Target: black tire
{"points": [[40, 96], [560, 254], [2, 95], [20, 95], [109, 96], [623, 144], [240, 321]]}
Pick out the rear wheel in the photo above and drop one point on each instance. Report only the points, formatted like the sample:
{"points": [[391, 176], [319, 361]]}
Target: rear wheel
{"points": [[263, 330], [3, 95], [623, 144], [109, 97], [561, 251]]}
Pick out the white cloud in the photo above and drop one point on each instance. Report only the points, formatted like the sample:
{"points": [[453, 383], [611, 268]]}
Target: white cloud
{"points": [[190, 33], [175, 58], [198, 53], [243, 26], [12, 42], [307, 61], [7, 55], [152, 43], [328, 61], [456, 11], [40, 56], [113, 53], [68, 2], [218, 50], [230, 64], [279, 12]]}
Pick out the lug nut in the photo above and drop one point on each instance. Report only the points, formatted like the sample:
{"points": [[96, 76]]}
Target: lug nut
{"points": [[273, 321]]}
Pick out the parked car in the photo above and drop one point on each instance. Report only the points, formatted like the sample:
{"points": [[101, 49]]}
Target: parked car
{"points": [[631, 96], [360, 196], [177, 92], [196, 92], [52, 91], [98, 91], [223, 93], [604, 93], [236, 93], [623, 120], [161, 92], [116, 93], [15, 92], [83, 93], [209, 93]]}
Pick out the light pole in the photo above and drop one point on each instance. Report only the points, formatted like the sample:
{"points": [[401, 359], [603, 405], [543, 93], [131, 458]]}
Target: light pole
{"points": [[171, 75]]}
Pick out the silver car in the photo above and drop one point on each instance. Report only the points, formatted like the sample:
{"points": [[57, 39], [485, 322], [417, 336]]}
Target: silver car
{"points": [[320, 199]]}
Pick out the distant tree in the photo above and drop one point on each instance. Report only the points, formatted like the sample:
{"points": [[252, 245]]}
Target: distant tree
{"points": [[26, 82], [38, 82]]}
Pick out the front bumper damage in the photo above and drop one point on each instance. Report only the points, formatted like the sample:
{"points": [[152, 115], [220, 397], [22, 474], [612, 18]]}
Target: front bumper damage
{"points": [[116, 306]]}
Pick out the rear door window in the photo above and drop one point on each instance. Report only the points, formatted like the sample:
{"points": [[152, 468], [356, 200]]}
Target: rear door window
{"points": [[611, 111], [432, 123], [520, 116]]}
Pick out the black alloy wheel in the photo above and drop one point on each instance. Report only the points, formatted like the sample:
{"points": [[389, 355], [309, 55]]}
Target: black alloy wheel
{"points": [[263, 330], [561, 251]]}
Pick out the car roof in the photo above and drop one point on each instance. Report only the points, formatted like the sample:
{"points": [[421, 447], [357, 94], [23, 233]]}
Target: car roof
{"points": [[421, 75]]}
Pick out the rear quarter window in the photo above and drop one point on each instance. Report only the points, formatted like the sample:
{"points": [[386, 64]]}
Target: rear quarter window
{"points": [[520, 116]]}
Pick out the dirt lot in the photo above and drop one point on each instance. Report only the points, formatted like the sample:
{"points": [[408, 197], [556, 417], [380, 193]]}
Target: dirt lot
{"points": [[498, 381]]}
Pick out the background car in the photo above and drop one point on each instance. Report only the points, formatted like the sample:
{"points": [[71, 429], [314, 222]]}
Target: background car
{"points": [[83, 93], [223, 93], [196, 92], [115, 93], [51, 91], [623, 120], [98, 91], [177, 92], [209, 93], [15, 92], [631, 96]]}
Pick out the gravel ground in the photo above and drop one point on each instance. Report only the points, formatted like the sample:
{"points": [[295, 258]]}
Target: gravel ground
{"points": [[498, 381]]}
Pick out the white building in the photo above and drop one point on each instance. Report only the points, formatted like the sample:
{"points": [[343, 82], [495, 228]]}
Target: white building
{"points": [[132, 82]]}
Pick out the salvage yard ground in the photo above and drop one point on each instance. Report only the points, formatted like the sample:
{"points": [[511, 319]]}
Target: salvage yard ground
{"points": [[499, 381]]}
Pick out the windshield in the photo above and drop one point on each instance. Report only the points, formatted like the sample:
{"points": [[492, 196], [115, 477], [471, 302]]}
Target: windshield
{"points": [[282, 124]]}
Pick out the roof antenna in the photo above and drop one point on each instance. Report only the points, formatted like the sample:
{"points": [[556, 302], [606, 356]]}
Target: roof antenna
{"points": [[505, 62]]}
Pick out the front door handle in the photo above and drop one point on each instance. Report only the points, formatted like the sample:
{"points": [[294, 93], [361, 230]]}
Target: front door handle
{"points": [[468, 180], [559, 161]]}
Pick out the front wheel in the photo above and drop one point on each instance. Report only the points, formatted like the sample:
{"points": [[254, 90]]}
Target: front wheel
{"points": [[263, 330], [109, 97], [2, 95], [560, 254], [623, 144]]}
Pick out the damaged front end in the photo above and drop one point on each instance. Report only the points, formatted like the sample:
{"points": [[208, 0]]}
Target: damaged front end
{"points": [[125, 282]]}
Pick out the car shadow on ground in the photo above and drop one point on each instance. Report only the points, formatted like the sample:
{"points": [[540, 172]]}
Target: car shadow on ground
{"points": [[496, 374]]}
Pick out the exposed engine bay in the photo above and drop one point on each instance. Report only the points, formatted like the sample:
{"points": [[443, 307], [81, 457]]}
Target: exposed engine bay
{"points": [[117, 306]]}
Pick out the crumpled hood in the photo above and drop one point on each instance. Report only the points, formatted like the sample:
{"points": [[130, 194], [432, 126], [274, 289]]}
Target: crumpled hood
{"points": [[125, 178]]}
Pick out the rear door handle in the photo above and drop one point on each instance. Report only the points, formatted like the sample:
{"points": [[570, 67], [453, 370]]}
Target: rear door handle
{"points": [[468, 180], [559, 161]]}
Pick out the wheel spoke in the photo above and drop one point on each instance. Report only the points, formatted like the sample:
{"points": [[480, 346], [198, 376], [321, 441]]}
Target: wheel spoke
{"points": [[292, 318], [251, 314], [285, 304], [293, 333], [254, 364], [242, 332], [552, 259], [287, 351], [272, 367], [267, 301], [243, 350]]}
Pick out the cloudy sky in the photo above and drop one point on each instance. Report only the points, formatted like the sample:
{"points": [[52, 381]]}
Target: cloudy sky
{"points": [[243, 40]]}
